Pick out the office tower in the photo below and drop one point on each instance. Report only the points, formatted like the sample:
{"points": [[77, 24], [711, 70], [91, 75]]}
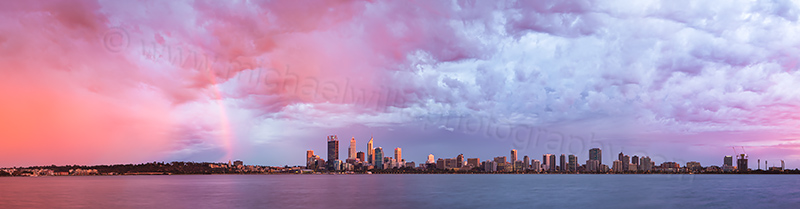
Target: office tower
{"points": [[333, 149], [645, 164], [536, 165], [549, 162], [596, 154], [501, 159], [526, 163], [563, 162], [360, 156], [728, 160], [370, 152], [573, 163], [398, 154], [351, 154], [741, 163], [617, 166], [625, 161], [378, 155], [513, 156], [450, 163], [309, 155], [473, 162], [490, 166], [593, 166], [459, 161], [635, 163], [430, 159]]}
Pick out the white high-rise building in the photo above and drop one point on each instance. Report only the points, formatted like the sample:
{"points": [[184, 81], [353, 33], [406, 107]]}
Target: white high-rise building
{"points": [[430, 159], [351, 154]]}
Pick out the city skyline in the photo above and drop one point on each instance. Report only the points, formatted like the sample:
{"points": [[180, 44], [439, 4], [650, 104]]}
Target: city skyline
{"points": [[568, 162], [125, 81]]}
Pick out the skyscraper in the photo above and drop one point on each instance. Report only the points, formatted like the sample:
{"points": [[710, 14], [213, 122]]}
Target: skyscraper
{"points": [[645, 164], [459, 161], [351, 154], [596, 154], [741, 163], [573, 163], [309, 155], [378, 157], [625, 160], [360, 156], [728, 160], [398, 154], [513, 156], [549, 162], [333, 149], [473, 162], [563, 162], [635, 162], [526, 165], [536, 165], [430, 159], [370, 152]]}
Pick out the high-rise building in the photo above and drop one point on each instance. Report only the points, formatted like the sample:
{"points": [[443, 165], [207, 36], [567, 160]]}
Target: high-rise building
{"points": [[370, 152], [536, 165], [309, 156], [645, 164], [351, 154], [635, 162], [473, 162], [398, 154], [378, 155], [459, 161], [573, 163], [333, 149], [562, 164], [596, 154], [593, 166], [741, 163], [549, 162], [360, 156], [526, 164], [490, 166], [430, 159], [728, 160], [513, 155], [617, 166], [625, 161], [501, 159]]}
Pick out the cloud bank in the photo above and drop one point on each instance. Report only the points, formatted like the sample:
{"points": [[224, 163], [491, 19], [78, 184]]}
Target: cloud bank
{"points": [[114, 82]]}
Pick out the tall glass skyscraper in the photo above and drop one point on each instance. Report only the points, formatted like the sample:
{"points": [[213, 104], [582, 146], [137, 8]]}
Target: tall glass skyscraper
{"points": [[378, 154], [596, 154], [370, 152], [333, 149]]}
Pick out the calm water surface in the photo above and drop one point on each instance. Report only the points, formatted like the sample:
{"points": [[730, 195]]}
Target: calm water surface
{"points": [[403, 191]]}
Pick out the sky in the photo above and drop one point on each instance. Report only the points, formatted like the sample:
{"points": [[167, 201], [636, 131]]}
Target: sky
{"points": [[110, 82]]}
